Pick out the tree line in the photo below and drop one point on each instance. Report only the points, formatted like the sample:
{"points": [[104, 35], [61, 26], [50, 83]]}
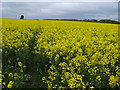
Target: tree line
{"points": [[87, 20], [91, 20]]}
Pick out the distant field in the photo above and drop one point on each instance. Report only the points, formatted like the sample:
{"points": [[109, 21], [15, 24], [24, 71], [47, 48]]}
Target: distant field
{"points": [[59, 54]]}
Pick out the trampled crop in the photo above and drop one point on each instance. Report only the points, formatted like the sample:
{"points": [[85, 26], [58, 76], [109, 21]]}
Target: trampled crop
{"points": [[60, 54]]}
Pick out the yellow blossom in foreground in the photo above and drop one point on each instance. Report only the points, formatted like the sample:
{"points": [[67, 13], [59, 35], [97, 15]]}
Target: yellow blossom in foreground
{"points": [[10, 84], [20, 64], [10, 75]]}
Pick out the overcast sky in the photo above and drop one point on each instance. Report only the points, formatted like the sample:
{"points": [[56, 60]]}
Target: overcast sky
{"points": [[60, 0], [64, 10]]}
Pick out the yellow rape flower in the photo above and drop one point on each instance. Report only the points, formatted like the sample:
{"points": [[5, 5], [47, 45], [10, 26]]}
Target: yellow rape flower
{"points": [[10, 75], [11, 82], [98, 78], [3, 83], [20, 64], [9, 86], [92, 87]]}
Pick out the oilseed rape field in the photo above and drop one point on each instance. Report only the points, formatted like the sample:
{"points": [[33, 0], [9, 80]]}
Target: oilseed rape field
{"points": [[59, 54]]}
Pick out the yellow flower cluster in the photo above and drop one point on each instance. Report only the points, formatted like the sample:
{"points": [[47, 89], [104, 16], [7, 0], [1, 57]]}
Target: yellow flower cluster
{"points": [[10, 84], [80, 54], [14, 75], [89, 49]]}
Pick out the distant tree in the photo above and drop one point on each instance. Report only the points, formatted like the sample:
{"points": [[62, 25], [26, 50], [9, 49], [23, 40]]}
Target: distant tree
{"points": [[93, 20], [22, 17]]}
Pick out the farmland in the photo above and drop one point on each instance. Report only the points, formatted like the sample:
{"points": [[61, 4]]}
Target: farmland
{"points": [[59, 54]]}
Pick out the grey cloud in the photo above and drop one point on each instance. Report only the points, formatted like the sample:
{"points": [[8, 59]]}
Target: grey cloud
{"points": [[86, 10]]}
